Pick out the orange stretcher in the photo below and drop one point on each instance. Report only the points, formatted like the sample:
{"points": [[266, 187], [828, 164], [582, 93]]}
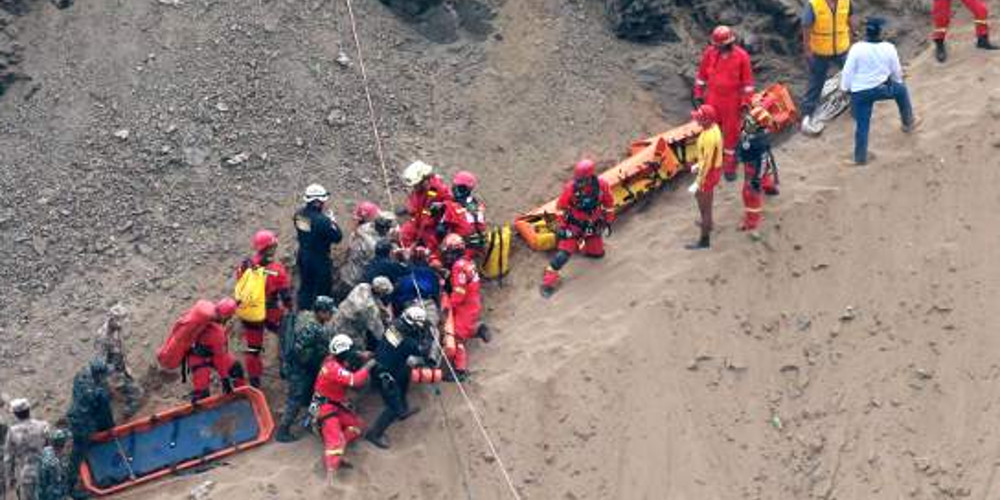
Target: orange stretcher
{"points": [[174, 440], [650, 163]]}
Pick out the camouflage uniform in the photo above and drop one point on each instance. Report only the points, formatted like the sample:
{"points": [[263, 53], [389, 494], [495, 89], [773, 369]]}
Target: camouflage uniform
{"points": [[111, 349], [360, 253], [309, 348], [53, 470], [361, 316], [90, 410], [24, 443]]}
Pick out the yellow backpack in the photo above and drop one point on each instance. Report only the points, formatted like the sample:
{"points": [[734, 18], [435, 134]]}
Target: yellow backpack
{"points": [[250, 294], [496, 261]]}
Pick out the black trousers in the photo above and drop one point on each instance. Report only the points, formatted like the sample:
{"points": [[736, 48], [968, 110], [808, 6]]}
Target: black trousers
{"points": [[315, 279], [394, 396]]}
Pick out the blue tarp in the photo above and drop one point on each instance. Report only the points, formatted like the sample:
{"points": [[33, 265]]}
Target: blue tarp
{"points": [[173, 442]]}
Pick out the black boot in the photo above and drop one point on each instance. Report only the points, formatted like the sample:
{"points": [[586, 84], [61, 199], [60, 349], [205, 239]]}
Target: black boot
{"points": [[983, 42], [483, 332], [377, 440], [702, 243], [409, 413], [940, 52], [284, 435]]}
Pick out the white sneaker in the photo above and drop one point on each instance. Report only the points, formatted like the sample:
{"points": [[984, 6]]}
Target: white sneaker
{"points": [[807, 123]]}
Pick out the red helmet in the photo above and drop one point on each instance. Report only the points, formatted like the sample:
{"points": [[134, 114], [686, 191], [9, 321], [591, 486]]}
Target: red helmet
{"points": [[264, 239], [366, 211], [584, 168], [705, 114], [467, 179], [723, 35], [452, 242], [226, 307]]}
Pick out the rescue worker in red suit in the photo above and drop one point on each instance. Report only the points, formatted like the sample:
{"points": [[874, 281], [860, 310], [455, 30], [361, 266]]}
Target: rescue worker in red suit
{"points": [[464, 300], [462, 187], [425, 205], [331, 412], [586, 210], [278, 300], [755, 153], [941, 12], [211, 352], [725, 81]]}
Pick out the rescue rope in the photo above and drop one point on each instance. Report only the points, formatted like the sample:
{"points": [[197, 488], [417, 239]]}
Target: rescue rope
{"points": [[388, 191], [371, 107]]}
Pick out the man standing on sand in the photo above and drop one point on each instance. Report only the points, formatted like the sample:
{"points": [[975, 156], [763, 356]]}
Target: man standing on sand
{"points": [[872, 73], [708, 170], [111, 348], [826, 37], [317, 231], [22, 446], [725, 81]]}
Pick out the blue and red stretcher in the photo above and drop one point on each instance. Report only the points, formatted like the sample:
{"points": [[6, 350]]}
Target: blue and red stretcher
{"points": [[174, 440]]}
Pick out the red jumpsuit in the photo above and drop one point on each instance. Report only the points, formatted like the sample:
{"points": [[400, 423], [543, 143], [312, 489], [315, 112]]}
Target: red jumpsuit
{"points": [[277, 290], [729, 79], [210, 351], [579, 227], [338, 423], [941, 12], [422, 225], [465, 306]]}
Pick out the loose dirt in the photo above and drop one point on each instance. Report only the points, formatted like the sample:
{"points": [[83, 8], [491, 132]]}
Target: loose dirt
{"points": [[844, 354]]}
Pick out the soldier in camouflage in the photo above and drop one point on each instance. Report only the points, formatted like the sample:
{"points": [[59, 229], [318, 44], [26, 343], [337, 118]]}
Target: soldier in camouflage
{"points": [[362, 246], [53, 469], [90, 409], [364, 313], [305, 358], [24, 443], [111, 349]]}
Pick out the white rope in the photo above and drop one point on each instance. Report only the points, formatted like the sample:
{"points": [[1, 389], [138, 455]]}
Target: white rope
{"points": [[371, 106], [475, 415], [388, 192]]}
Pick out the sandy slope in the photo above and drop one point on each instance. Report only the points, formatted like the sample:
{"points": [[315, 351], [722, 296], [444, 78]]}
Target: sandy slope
{"points": [[658, 373]]}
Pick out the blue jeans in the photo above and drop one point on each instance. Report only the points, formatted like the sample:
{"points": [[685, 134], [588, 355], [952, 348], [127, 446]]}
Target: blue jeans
{"points": [[819, 66], [862, 103]]}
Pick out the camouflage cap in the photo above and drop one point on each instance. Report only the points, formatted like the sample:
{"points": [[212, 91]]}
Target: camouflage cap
{"points": [[20, 404], [118, 311], [324, 304], [58, 436]]}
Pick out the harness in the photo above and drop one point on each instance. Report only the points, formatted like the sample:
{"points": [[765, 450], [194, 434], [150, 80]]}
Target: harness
{"points": [[586, 194]]}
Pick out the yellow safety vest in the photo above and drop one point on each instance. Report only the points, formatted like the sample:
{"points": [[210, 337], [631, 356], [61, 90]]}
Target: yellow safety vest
{"points": [[831, 32]]}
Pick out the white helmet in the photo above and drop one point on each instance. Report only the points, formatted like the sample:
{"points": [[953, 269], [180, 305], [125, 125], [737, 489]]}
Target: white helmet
{"points": [[340, 344], [416, 172], [415, 315], [315, 192]]}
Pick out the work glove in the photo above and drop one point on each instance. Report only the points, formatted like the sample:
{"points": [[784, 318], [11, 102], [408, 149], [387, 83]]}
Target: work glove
{"points": [[414, 361], [313, 409], [564, 234], [697, 102]]}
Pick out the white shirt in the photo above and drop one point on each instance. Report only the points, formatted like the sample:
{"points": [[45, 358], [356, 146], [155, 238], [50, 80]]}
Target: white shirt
{"points": [[870, 65]]}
